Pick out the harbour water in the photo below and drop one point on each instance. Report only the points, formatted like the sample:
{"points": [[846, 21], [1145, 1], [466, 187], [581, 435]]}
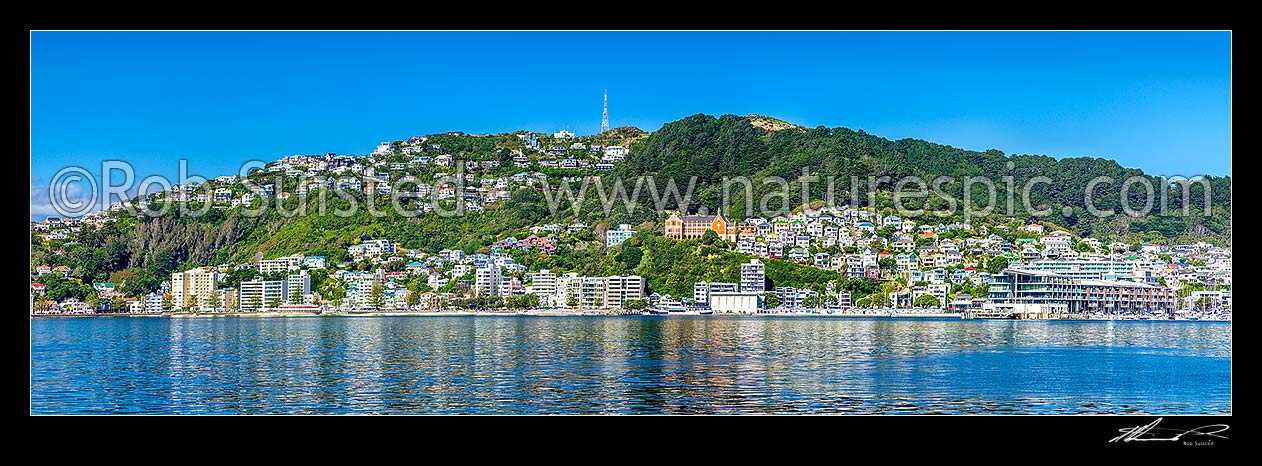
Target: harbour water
{"points": [[645, 365]]}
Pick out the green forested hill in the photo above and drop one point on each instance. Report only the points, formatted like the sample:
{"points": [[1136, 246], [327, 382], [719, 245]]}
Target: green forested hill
{"points": [[710, 149]]}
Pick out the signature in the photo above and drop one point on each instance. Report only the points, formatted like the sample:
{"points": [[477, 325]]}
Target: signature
{"points": [[1151, 433]]}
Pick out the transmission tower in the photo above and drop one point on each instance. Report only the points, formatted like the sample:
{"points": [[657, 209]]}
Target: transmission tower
{"points": [[604, 116]]}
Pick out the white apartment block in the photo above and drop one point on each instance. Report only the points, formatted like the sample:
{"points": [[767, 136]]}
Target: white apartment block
{"points": [[592, 293], [616, 237], [701, 290], [280, 264], [488, 281], [361, 286], [619, 289], [298, 284], [753, 276], [259, 293], [544, 285]]}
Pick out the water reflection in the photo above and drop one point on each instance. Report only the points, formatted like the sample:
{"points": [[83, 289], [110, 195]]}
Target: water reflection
{"points": [[626, 365]]}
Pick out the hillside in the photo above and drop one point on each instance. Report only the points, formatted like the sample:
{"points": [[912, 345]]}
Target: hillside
{"points": [[711, 149], [772, 124], [143, 251], [621, 134]]}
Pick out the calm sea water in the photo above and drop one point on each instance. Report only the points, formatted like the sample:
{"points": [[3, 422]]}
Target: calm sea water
{"points": [[527, 365]]}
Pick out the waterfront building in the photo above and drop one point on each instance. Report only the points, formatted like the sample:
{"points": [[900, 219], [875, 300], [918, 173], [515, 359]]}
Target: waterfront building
{"points": [[298, 285], [592, 292], [788, 296], [843, 300], [193, 284], [743, 302], [1086, 270], [153, 303], [619, 289], [360, 286], [542, 283], [567, 289], [1039, 293], [259, 294], [488, 281], [701, 290]]}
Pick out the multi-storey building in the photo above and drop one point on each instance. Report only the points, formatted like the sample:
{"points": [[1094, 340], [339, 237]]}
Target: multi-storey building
{"points": [[360, 286], [280, 264], [259, 293], [753, 276], [193, 285], [701, 290], [617, 236], [592, 292], [488, 281], [1043, 293], [695, 226], [543, 283], [619, 289], [1085, 270], [788, 296], [297, 287], [843, 300]]}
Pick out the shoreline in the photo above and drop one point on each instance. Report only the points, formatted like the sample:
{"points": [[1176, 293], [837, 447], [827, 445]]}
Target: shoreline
{"points": [[529, 313], [545, 313]]}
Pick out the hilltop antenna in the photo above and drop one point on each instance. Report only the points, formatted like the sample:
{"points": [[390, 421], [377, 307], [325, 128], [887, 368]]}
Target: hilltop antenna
{"points": [[604, 116]]}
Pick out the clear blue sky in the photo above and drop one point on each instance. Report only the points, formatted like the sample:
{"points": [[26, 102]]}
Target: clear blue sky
{"points": [[1156, 101]]}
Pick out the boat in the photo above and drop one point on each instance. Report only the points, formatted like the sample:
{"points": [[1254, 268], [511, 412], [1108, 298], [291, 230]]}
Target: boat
{"points": [[677, 310]]}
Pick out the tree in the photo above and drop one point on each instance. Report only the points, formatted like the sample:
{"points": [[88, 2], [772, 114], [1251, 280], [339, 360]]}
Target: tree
{"points": [[630, 256], [571, 301], [377, 297], [276, 302], [996, 264], [861, 286], [256, 302], [887, 263], [296, 298], [332, 289], [771, 300], [635, 304], [709, 237], [1204, 302], [215, 298], [927, 300], [166, 302]]}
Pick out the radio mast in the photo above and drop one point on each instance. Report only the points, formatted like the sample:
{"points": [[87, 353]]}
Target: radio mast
{"points": [[604, 116]]}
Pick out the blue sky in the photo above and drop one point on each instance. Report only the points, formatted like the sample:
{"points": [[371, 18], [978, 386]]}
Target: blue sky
{"points": [[1156, 101]]}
